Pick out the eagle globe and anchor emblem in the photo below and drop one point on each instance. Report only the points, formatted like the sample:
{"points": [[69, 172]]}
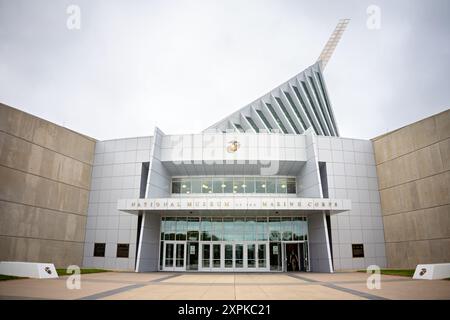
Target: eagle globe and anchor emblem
{"points": [[233, 146]]}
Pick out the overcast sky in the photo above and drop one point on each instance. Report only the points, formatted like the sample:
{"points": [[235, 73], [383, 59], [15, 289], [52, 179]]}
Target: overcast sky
{"points": [[184, 65]]}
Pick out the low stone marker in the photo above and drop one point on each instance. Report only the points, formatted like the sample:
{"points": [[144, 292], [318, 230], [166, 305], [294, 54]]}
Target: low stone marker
{"points": [[28, 269], [432, 271]]}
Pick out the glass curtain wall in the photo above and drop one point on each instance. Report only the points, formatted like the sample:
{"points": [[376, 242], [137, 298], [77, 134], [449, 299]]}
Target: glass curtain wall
{"points": [[273, 230], [217, 185]]}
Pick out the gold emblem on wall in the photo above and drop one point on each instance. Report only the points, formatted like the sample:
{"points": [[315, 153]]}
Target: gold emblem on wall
{"points": [[233, 146]]}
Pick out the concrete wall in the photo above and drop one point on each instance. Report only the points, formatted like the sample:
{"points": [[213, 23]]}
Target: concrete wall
{"points": [[413, 165], [45, 176]]}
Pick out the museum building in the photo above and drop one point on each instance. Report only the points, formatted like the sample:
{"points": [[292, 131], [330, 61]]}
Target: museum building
{"points": [[270, 188]]}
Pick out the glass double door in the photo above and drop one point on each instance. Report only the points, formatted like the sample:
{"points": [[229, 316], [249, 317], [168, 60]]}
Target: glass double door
{"points": [[233, 256], [174, 256], [295, 256]]}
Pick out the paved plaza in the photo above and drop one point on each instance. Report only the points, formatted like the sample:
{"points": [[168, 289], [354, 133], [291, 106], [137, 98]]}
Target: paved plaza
{"points": [[226, 286]]}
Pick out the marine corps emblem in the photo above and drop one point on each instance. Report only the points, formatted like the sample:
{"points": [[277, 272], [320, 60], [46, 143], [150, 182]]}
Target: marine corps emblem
{"points": [[233, 146]]}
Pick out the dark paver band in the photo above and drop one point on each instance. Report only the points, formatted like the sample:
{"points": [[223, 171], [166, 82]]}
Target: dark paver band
{"points": [[108, 293], [354, 292], [23, 298], [293, 275]]}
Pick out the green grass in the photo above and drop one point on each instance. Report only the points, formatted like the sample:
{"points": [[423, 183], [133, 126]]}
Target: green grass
{"points": [[63, 272], [4, 277], [396, 272]]}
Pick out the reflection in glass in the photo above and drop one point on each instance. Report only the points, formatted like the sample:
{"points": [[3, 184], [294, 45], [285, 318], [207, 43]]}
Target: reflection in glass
{"points": [[228, 256], [206, 255], [270, 185], [281, 185], [275, 256], [251, 256], [261, 229], [227, 229], [291, 186], [231, 184], [196, 185], [286, 227], [227, 185], [260, 185], [179, 262], [250, 229], [170, 228], [238, 185], [207, 185], [274, 229], [216, 255], [206, 228], [261, 256], [192, 231], [217, 229], [239, 255], [176, 185], [169, 255], [181, 228], [217, 185], [186, 186]]}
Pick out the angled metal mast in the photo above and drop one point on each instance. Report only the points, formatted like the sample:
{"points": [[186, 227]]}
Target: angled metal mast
{"points": [[333, 41]]}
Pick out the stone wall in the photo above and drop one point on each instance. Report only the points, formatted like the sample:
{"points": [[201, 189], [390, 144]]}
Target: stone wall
{"points": [[413, 166], [45, 176]]}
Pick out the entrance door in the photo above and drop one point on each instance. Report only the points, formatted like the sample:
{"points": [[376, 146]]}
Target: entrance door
{"points": [[262, 256], [292, 257], [174, 256], [216, 256], [205, 250], [192, 256], [239, 256], [251, 256], [228, 256], [275, 256]]}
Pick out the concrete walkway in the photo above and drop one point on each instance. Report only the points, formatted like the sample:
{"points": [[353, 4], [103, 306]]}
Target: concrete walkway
{"points": [[198, 286]]}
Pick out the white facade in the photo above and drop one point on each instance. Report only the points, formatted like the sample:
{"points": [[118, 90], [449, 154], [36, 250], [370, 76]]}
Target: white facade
{"points": [[116, 175], [119, 180], [289, 134]]}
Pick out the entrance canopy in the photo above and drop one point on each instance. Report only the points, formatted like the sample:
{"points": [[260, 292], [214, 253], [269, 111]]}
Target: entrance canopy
{"points": [[234, 203]]}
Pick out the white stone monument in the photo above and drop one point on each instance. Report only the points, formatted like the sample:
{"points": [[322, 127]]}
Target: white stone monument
{"points": [[28, 269], [432, 271]]}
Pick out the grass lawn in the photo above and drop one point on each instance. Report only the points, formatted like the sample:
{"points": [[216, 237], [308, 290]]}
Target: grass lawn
{"points": [[396, 272], [5, 277], [63, 272]]}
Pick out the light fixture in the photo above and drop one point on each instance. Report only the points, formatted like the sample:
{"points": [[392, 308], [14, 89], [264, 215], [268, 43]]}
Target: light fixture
{"points": [[263, 186], [209, 191], [244, 186], [224, 185], [188, 192], [205, 186], [235, 187], [283, 186], [183, 186]]}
